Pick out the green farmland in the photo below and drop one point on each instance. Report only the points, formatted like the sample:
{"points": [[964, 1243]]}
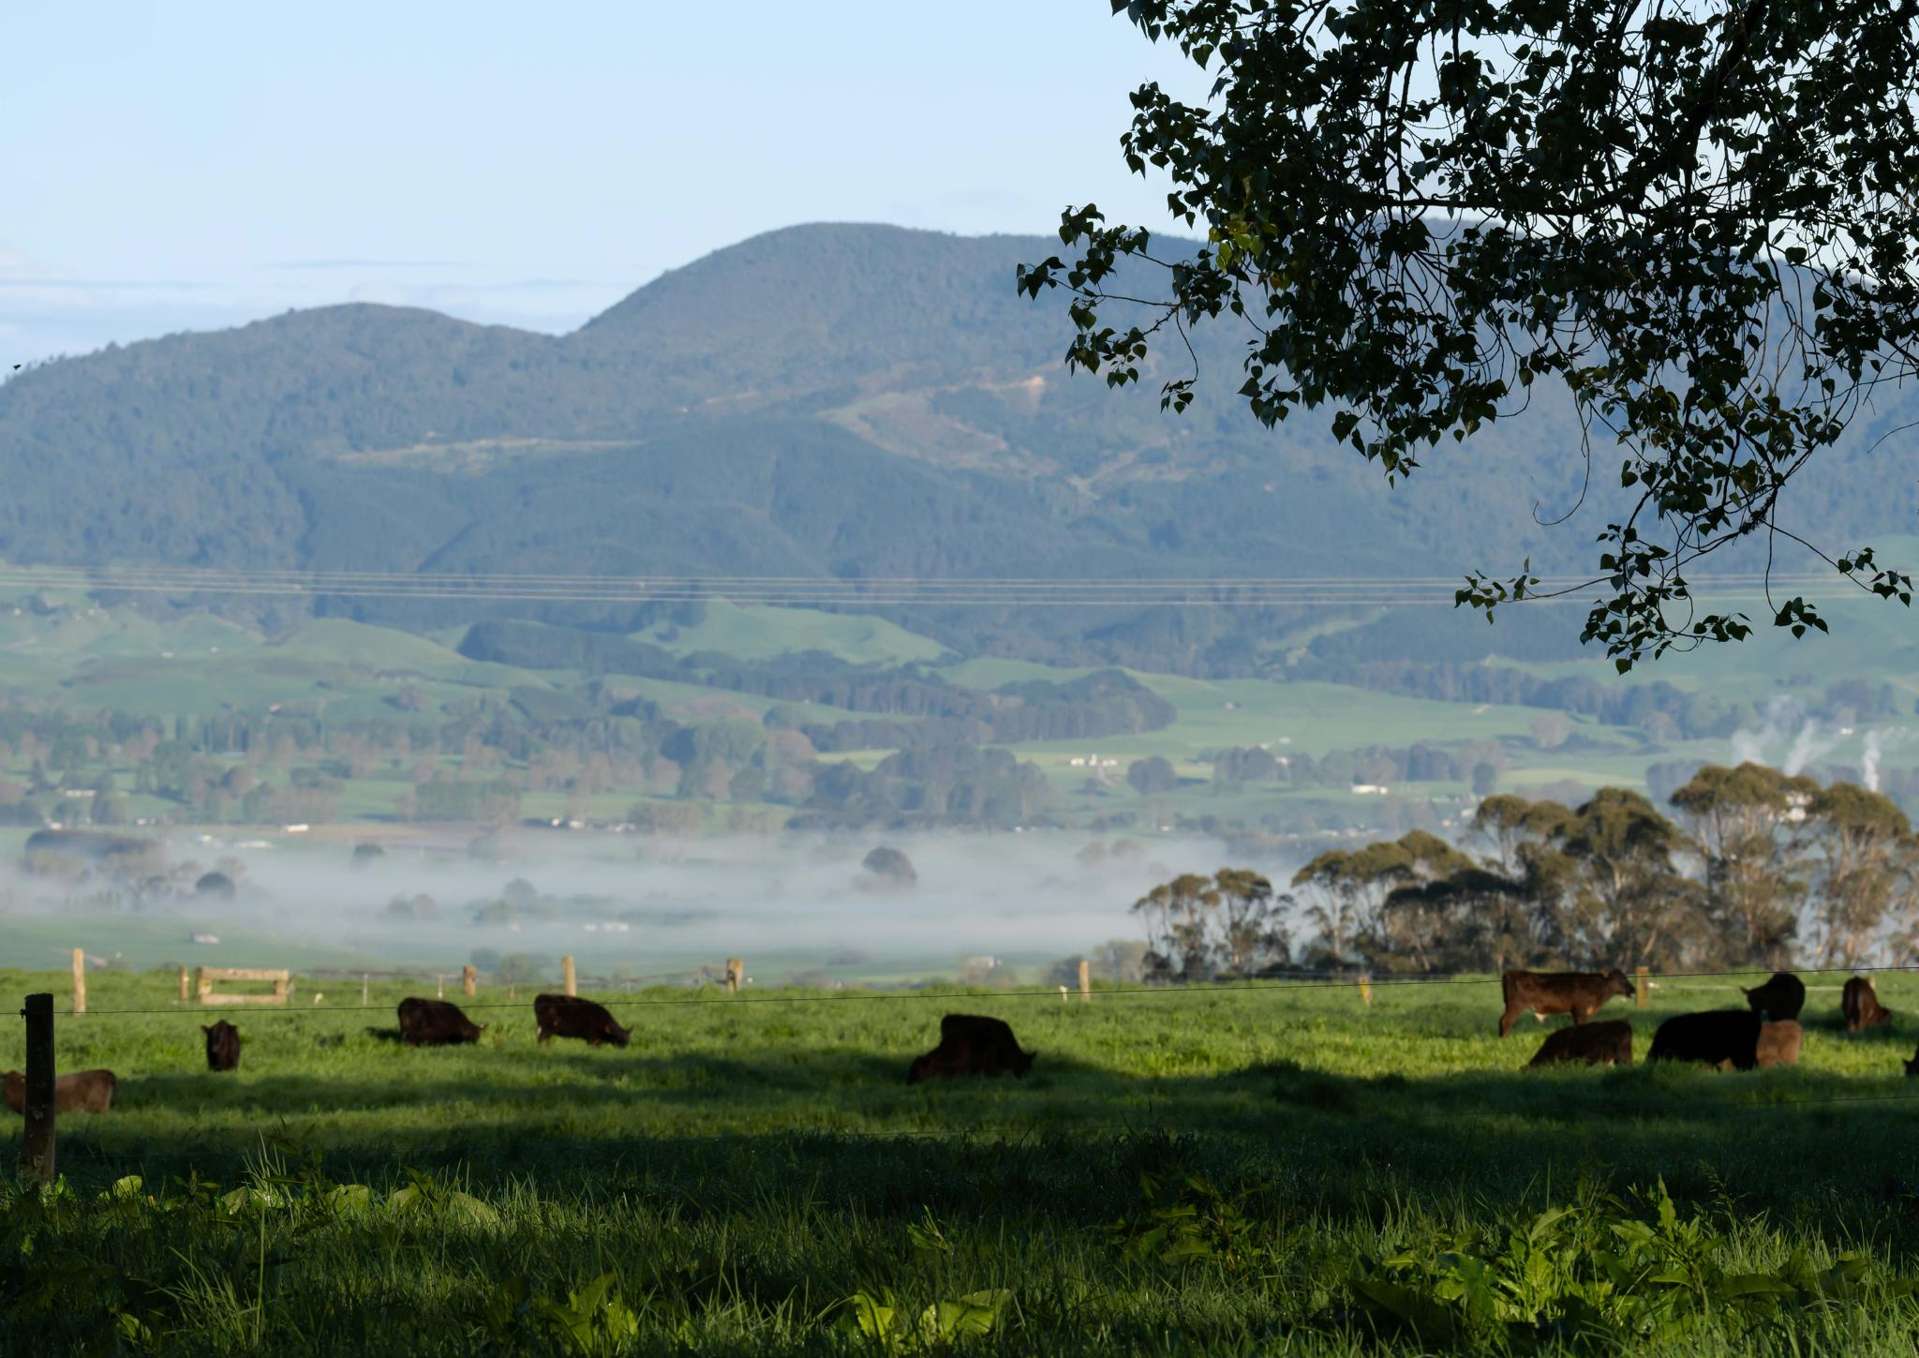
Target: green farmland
{"points": [[1232, 1170]]}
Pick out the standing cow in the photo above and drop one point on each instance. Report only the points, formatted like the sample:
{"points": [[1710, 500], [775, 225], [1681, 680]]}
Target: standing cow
{"points": [[1540, 993], [1859, 1002], [435, 1023], [972, 1044], [1597, 1044], [1782, 997], [85, 1091], [569, 1016], [223, 1046]]}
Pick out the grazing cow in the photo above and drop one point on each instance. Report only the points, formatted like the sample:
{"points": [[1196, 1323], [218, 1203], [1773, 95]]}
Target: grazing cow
{"points": [[1778, 1043], [435, 1023], [971, 1044], [223, 1046], [568, 1016], [1859, 1002], [1727, 1038], [86, 1091], [1597, 1044], [1780, 998], [1540, 993]]}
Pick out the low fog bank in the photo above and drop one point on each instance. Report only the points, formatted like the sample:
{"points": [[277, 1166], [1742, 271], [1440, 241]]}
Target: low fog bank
{"points": [[812, 909]]}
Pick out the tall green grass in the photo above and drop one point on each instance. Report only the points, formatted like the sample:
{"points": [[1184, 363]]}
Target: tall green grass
{"points": [[1234, 1170]]}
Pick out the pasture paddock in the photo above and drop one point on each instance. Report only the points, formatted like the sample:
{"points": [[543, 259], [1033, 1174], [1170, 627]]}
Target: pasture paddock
{"points": [[1222, 1170]]}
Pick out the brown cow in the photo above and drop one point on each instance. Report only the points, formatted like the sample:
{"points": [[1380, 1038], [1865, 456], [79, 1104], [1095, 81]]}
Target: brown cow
{"points": [[1597, 1044], [85, 1091], [1859, 1002], [1782, 997], [1778, 1043], [1540, 993], [569, 1016], [971, 1044], [223, 1046], [435, 1023]]}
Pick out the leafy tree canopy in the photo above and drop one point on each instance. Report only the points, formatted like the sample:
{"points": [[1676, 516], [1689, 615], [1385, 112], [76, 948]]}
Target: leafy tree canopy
{"points": [[1699, 218]]}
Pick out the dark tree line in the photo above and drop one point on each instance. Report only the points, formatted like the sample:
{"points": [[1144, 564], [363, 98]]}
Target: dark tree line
{"points": [[1751, 868]]}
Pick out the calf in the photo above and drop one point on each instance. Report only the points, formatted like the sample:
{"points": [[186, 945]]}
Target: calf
{"points": [[971, 1044], [86, 1091], [223, 1046], [568, 1016], [1780, 998], [1739, 1039], [435, 1023], [1597, 1044], [1778, 1043], [1859, 1002], [1540, 993]]}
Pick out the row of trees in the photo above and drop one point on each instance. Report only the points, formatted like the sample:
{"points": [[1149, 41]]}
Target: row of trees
{"points": [[1753, 868]]}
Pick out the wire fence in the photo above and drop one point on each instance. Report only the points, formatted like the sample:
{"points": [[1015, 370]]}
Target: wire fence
{"points": [[1165, 991]]}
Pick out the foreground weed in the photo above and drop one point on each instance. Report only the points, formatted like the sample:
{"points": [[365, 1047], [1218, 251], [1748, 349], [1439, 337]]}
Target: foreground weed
{"points": [[1198, 1223], [895, 1329], [1598, 1275]]}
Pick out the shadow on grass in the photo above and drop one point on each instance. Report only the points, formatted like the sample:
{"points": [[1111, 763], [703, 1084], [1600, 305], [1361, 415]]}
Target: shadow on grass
{"points": [[839, 1126]]}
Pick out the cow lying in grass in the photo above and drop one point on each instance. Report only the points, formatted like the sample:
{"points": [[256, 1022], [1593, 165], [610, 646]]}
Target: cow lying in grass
{"points": [[1727, 1038], [1859, 1002], [971, 1044], [85, 1091], [1597, 1044]]}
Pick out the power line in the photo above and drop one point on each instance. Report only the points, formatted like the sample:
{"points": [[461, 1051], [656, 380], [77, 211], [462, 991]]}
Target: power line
{"points": [[1022, 592]]}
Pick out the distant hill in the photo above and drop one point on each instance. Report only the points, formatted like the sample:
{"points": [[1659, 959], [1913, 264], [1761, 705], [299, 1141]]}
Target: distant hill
{"points": [[839, 400]]}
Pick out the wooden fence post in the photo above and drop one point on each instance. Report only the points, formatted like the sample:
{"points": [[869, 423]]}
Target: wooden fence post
{"points": [[735, 974], [1365, 988], [79, 980], [185, 994], [36, 1142], [568, 978], [439, 986], [363, 994], [1085, 981], [1640, 988], [469, 980]]}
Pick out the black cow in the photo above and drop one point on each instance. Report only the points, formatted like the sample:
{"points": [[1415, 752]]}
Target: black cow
{"points": [[223, 1046], [1780, 998], [435, 1023], [1737, 1038], [1597, 1044], [972, 1044], [1859, 1002], [569, 1016], [1540, 993]]}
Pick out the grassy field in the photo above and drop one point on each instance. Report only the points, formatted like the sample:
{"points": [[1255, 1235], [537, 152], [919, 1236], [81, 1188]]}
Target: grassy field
{"points": [[1237, 1170]]}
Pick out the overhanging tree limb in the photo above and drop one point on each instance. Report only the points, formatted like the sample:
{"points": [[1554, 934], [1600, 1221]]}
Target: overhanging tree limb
{"points": [[1700, 218]]}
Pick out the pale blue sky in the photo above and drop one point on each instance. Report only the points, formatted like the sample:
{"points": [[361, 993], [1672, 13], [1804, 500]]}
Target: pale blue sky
{"points": [[185, 164]]}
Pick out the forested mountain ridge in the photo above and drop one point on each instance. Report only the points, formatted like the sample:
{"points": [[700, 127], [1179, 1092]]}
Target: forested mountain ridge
{"points": [[824, 400]]}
